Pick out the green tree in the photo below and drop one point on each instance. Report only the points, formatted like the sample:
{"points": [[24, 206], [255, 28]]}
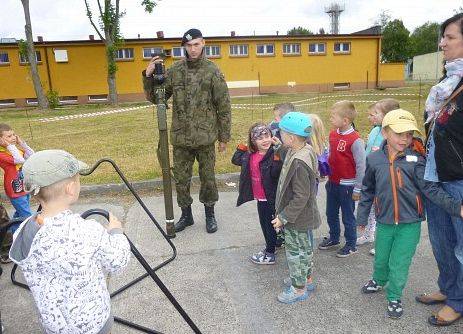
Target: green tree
{"points": [[395, 46], [383, 19], [299, 31], [424, 39], [109, 15], [28, 50]]}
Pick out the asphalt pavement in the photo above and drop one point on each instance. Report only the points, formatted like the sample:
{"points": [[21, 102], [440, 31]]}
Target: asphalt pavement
{"points": [[223, 292]]}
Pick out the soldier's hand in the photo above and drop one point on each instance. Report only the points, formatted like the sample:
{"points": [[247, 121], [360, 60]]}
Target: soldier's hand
{"points": [[222, 147], [151, 65]]}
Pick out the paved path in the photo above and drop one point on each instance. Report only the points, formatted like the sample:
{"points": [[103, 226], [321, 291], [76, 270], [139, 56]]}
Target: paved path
{"points": [[224, 292]]}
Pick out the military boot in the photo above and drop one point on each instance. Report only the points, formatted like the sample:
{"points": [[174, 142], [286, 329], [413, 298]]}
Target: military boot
{"points": [[185, 220], [211, 223]]}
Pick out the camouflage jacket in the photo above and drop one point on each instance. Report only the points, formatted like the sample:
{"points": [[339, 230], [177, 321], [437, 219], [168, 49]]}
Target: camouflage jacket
{"points": [[201, 103]]}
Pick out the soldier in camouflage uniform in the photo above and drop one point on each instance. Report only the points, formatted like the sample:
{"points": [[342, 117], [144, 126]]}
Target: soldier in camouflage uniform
{"points": [[201, 115]]}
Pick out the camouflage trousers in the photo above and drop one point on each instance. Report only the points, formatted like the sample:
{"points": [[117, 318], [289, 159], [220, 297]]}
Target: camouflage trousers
{"points": [[299, 252], [184, 157]]}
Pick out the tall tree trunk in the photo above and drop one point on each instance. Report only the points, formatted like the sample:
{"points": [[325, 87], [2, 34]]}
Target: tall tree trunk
{"points": [[41, 98], [111, 76]]}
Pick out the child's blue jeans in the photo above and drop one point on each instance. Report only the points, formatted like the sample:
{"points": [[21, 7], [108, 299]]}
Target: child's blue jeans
{"points": [[23, 209], [340, 197]]}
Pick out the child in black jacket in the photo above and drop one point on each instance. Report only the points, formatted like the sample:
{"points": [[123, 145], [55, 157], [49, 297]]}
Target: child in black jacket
{"points": [[260, 170]]}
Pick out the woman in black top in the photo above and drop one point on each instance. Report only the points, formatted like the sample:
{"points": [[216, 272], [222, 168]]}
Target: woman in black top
{"points": [[444, 110]]}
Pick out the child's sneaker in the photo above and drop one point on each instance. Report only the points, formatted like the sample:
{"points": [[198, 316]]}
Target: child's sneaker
{"points": [[327, 243], [291, 295], [371, 287], [372, 251], [346, 251], [309, 285], [263, 258], [394, 309], [365, 239]]}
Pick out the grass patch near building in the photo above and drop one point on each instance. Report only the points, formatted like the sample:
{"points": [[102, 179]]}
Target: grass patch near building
{"points": [[130, 137]]}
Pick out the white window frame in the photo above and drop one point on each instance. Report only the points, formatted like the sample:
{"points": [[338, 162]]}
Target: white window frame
{"points": [[342, 47], [266, 51], [7, 58], [124, 54], [317, 49], [24, 59], [239, 50], [215, 51], [98, 98], [292, 49], [182, 52], [151, 49], [61, 56]]}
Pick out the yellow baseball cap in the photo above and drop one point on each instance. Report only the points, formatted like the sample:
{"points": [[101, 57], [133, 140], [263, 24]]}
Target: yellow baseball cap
{"points": [[400, 121]]}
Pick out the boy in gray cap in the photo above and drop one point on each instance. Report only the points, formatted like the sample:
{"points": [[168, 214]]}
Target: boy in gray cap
{"points": [[64, 258]]}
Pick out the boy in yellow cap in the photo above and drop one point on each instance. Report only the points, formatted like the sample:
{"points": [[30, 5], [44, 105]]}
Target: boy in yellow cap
{"points": [[394, 183]]}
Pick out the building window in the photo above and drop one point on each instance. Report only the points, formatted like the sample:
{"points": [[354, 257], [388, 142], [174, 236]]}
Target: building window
{"points": [[147, 52], [23, 58], [68, 100], [317, 48], [178, 52], [61, 56], [4, 57], [124, 54], [239, 50], [7, 103], [342, 47], [98, 98], [265, 49], [341, 85], [212, 50], [32, 101], [291, 49]]}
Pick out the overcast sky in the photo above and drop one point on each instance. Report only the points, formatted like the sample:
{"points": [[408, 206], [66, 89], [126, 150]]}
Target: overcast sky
{"points": [[66, 19]]}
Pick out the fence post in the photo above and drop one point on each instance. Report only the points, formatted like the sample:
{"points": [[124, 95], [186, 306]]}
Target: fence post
{"points": [[419, 97]]}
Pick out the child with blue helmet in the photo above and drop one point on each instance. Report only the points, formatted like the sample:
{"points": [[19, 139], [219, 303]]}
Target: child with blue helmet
{"points": [[296, 205]]}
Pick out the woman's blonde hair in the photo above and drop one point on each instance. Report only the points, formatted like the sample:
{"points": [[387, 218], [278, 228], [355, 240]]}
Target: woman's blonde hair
{"points": [[318, 136]]}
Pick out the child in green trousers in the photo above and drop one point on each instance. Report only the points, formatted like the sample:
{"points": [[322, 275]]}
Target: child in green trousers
{"points": [[394, 183]]}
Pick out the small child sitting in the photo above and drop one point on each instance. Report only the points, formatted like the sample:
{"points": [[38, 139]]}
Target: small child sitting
{"points": [[260, 169], [63, 257], [296, 204]]}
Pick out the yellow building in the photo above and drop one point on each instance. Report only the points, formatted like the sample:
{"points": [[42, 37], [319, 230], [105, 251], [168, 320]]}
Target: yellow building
{"points": [[251, 64]]}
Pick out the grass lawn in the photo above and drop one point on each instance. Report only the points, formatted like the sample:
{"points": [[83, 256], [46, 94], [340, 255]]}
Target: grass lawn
{"points": [[130, 137]]}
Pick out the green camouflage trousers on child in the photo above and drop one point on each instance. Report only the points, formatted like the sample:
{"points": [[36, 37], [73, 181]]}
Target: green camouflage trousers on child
{"points": [[299, 252], [184, 157]]}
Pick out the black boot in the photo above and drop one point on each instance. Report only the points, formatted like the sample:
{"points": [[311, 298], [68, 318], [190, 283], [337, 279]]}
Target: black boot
{"points": [[185, 220], [211, 223]]}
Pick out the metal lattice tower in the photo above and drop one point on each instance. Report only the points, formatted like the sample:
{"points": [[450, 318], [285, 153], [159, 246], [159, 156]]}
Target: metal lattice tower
{"points": [[334, 11]]}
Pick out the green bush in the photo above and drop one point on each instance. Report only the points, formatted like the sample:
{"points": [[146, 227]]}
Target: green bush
{"points": [[53, 99]]}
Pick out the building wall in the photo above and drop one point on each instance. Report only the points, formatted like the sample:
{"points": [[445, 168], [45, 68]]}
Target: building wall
{"points": [[84, 73], [428, 66], [391, 74]]}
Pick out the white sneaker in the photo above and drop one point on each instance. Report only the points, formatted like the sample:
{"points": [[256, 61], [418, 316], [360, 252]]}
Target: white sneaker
{"points": [[365, 239], [372, 251]]}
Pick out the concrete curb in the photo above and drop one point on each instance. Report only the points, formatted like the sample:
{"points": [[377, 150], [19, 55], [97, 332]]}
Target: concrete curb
{"points": [[101, 189]]}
